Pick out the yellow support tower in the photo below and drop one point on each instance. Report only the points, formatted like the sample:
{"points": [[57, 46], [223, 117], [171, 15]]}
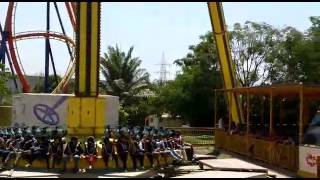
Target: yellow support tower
{"points": [[87, 49], [86, 111], [220, 34]]}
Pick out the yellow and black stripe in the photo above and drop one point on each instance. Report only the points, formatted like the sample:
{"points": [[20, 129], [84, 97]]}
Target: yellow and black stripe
{"points": [[224, 54], [87, 48]]}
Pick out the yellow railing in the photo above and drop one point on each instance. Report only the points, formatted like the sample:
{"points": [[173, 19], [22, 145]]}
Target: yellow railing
{"points": [[282, 155]]}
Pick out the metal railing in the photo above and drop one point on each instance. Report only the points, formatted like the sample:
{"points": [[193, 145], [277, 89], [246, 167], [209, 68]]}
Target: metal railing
{"points": [[196, 135]]}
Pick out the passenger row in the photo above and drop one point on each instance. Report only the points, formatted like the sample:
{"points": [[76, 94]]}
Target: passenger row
{"points": [[116, 145]]}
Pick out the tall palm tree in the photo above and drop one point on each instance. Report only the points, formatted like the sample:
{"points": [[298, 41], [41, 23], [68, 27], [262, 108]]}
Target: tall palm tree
{"points": [[123, 76]]}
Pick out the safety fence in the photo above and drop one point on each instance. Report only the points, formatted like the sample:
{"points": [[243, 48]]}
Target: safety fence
{"points": [[196, 135], [281, 155]]}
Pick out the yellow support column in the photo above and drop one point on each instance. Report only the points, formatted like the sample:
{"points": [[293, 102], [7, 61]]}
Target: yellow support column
{"points": [[100, 115], [86, 111], [87, 49]]}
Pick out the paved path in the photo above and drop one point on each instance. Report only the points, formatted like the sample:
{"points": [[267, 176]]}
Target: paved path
{"points": [[38, 174], [186, 171], [232, 164], [195, 171], [272, 169], [223, 174]]}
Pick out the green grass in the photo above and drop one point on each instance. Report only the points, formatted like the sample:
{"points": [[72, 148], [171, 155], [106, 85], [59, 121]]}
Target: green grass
{"points": [[199, 140]]}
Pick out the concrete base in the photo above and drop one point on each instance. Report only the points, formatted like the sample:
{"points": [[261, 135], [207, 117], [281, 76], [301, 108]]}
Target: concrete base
{"points": [[51, 110]]}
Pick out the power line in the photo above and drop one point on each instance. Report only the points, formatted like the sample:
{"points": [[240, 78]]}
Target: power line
{"points": [[163, 70]]}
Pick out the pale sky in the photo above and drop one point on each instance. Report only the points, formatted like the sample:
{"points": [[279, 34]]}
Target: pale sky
{"points": [[153, 28]]}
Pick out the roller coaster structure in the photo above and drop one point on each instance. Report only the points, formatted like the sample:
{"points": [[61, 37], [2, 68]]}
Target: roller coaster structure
{"points": [[9, 50]]}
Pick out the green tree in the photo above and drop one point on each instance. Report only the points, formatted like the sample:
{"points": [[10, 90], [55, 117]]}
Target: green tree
{"points": [[140, 109], [123, 116], [261, 55], [253, 46], [297, 58], [191, 94], [124, 77], [311, 67], [288, 59], [39, 87], [5, 75]]}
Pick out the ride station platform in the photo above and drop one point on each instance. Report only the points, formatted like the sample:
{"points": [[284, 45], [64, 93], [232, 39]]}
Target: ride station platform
{"points": [[96, 174], [224, 174], [227, 168], [231, 164]]}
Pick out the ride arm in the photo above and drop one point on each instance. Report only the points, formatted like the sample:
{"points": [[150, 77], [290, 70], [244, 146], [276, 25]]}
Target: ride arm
{"points": [[219, 30]]}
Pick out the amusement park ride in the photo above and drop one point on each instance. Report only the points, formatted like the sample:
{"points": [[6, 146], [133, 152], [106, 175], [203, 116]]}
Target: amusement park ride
{"points": [[85, 18], [87, 107], [9, 45]]}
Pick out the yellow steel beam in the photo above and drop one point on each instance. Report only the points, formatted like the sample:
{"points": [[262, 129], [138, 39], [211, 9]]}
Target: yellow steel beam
{"points": [[95, 34], [86, 114], [83, 47], [224, 54], [87, 49]]}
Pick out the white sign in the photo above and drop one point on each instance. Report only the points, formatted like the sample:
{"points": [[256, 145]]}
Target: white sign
{"points": [[308, 159]]}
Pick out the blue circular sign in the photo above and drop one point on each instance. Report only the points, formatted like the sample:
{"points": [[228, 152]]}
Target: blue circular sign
{"points": [[46, 114]]}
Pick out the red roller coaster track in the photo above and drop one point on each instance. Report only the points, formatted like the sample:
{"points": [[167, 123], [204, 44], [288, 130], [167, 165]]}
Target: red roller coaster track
{"points": [[38, 34], [31, 35]]}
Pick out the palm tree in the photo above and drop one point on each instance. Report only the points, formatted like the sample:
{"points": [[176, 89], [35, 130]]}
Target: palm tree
{"points": [[123, 76]]}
